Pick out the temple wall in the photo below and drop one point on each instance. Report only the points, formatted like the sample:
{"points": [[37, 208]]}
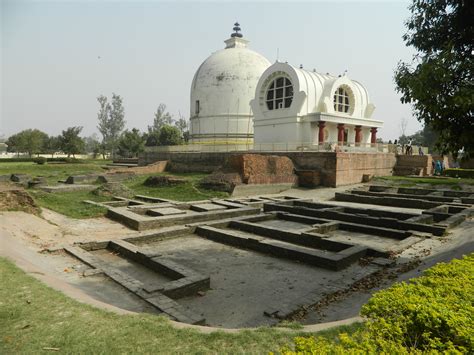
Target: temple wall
{"points": [[336, 169]]}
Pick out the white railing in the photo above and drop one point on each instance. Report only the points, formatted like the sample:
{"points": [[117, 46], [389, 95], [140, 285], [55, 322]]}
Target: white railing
{"points": [[284, 147]]}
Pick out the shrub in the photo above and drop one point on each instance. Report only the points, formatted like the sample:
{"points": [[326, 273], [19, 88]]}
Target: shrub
{"points": [[40, 160], [433, 313], [460, 173], [170, 135]]}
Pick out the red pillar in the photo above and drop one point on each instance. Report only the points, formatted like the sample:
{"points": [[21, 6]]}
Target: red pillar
{"points": [[340, 134], [373, 136], [321, 125], [357, 135]]}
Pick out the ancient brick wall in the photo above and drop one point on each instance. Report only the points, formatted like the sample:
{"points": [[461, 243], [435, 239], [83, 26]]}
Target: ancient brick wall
{"points": [[335, 169], [156, 167], [350, 167], [262, 169]]}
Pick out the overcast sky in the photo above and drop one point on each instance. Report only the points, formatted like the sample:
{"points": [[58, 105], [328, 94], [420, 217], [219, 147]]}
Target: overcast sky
{"points": [[57, 57]]}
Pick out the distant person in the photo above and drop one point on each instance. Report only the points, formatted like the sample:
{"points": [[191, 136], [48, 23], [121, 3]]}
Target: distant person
{"points": [[439, 168], [420, 151], [409, 148]]}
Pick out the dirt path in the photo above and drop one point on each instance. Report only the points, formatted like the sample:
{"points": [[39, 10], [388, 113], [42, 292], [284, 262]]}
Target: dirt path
{"points": [[52, 229], [36, 265]]}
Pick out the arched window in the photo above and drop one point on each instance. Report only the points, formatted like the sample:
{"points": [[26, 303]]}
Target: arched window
{"points": [[279, 94], [341, 100]]}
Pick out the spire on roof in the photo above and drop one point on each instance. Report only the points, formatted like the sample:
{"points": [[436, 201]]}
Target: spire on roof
{"points": [[237, 30], [236, 40]]}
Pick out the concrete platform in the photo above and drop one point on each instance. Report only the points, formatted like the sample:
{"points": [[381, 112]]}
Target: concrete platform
{"points": [[207, 207], [246, 285], [68, 188]]}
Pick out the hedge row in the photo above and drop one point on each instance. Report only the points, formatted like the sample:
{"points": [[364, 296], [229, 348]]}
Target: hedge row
{"points": [[432, 313], [35, 159], [460, 173]]}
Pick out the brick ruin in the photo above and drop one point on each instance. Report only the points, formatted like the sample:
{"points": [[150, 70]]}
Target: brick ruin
{"points": [[329, 169], [199, 259]]}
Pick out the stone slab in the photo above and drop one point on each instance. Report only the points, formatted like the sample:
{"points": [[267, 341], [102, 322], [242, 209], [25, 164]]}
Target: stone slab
{"points": [[259, 189], [20, 177], [114, 177], [68, 188], [165, 211], [206, 207]]}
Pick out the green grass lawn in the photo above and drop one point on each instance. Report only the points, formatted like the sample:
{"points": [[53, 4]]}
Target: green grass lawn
{"points": [[190, 191], [70, 203], [53, 171], [34, 317]]}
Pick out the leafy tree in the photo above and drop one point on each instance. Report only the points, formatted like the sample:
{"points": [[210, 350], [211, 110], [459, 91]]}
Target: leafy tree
{"points": [[425, 137], [93, 145], [439, 82], [52, 145], [15, 144], [131, 143], [161, 118], [111, 121], [182, 125], [152, 139], [169, 135], [31, 141], [70, 141], [103, 117]]}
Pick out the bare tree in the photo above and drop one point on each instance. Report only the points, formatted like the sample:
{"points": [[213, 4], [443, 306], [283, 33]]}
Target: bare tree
{"points": [[403, 126]]}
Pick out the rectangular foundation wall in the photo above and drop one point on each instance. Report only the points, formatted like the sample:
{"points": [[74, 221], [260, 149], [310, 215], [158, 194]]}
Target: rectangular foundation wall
{"points": [[336, 169]]}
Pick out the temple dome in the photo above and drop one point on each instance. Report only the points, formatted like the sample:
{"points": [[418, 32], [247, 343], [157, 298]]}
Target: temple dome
{"points": [[221, 91]]}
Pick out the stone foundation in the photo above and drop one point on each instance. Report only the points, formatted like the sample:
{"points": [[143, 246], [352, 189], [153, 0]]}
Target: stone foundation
{"points": [[334, 169]]}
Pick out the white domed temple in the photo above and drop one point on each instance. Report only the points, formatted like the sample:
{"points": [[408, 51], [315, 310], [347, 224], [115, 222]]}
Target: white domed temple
{"points": [[293, 105], [237, 95], [221, 92]]}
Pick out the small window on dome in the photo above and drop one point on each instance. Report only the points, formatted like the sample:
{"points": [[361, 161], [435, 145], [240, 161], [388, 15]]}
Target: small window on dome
{"points": [[197, 108], [279, 94], [341, 100]]}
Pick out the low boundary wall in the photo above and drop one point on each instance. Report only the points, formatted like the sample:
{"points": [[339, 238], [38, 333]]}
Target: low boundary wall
{"points": [[336, 169]]}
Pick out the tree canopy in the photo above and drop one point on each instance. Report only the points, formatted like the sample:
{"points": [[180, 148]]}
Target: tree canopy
{"points": [[161, 118], [111, 119], [439, 82], [31, 141], [169, 135], [425, 137], [131, 143], [70, 142]]}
